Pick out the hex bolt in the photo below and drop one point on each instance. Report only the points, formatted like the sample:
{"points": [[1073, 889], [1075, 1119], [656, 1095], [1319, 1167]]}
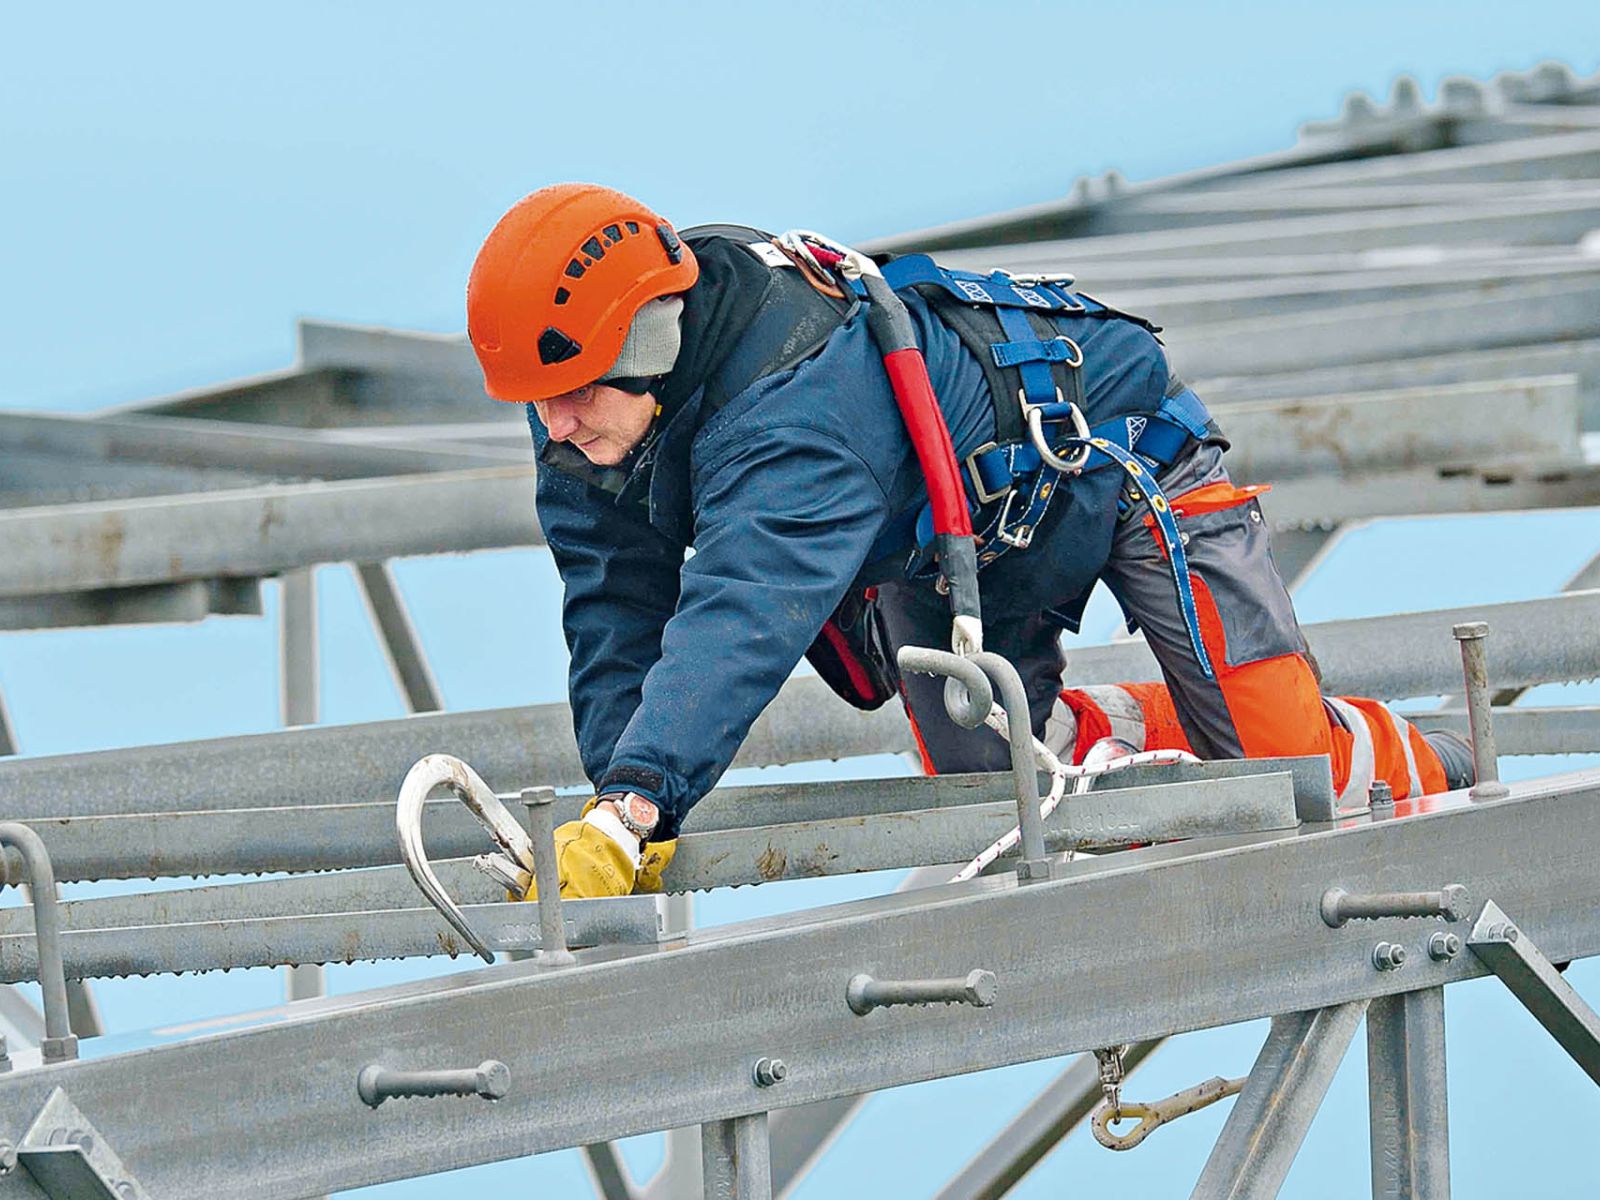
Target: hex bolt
{"points": [[1480, 716], [1442, 946], [864, 993], [8, 1157], [1380, 794], [769, 1071], [553, 950], [490, 1079], [1388, 956], [1339, 906]]}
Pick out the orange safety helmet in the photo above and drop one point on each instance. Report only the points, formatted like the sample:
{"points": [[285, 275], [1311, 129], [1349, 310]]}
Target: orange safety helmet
{"points": [[558, 282]]}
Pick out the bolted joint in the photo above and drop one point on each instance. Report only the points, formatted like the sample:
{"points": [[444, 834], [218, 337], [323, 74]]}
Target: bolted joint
{"points": [[1388, 956], [1442, 946], [769, 1071]]}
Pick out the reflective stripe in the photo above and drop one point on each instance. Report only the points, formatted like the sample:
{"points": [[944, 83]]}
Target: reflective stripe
{"points": [[1402, 728], [1363, 762], [1123, 714]]}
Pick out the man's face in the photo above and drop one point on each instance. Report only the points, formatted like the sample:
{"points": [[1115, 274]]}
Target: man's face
{"points": [[603, 422]]}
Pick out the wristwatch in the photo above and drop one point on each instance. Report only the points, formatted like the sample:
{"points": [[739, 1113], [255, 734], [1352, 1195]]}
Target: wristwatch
{"points": [[638, 815]]}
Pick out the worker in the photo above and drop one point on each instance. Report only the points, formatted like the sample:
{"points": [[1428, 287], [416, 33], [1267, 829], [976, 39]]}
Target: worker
{"points": [[727, 484]]}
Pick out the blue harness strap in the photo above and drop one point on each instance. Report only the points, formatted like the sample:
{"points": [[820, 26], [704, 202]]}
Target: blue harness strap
{"points": [[1161, 510], [995, 290]]}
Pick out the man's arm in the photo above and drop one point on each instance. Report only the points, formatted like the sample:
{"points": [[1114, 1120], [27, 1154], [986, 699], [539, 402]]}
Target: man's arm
{"points": [[785, 519], [621, 585]]}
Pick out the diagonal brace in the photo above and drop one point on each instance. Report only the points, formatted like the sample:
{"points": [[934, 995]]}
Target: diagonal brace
{"points": [[1291, 1075], [1534, 980]]}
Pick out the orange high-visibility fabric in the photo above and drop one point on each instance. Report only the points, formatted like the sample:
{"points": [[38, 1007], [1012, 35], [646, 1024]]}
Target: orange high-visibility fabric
{"points": [[922, 749], [1161, 728]]}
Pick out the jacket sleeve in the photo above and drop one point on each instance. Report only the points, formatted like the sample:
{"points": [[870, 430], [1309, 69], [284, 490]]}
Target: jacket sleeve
{"points": [[785, 518], [621, 585]]}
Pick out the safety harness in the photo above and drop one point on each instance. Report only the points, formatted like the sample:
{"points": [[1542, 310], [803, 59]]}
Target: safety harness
{"points": [[1010, 324]]}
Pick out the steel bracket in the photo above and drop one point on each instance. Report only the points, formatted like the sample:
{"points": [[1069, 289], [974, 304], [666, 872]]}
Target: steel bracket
{"points": [[70, 1160]]}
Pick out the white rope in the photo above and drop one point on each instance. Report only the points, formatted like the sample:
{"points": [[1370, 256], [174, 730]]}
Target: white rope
{"points": [[1060, 772]]}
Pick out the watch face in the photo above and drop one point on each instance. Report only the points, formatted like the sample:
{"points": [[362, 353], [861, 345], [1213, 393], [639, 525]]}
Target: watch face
{"points": [[640, 811]]}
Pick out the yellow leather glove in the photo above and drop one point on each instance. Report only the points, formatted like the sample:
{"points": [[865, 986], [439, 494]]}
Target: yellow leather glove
{"points": [[652, 862], [590, 863]]}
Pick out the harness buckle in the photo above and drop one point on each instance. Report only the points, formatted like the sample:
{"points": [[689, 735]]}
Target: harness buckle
{"points": [[1064, 278], [985, 496], [1020, 538]]}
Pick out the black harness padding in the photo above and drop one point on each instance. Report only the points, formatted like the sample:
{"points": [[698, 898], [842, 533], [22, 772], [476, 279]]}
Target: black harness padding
{"points": [[773, 321]]}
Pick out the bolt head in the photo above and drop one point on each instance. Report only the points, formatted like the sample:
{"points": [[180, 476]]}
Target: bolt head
{"points": [[1469, 630], [1455, 902], [982, 988], [770, 1071], [1510, 933], [8, 1158]]}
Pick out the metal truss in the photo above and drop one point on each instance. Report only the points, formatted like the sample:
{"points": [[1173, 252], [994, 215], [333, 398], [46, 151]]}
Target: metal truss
{"points": [[719, 1007], [1396, 316]]}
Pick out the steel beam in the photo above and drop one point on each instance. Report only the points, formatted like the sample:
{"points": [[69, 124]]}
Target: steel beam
{"points": [[398, 636], [259, 449], [1412, 654], [1580, 358], [1561, 156], [736, 1161], [318, 938], [8, 737], [1270, 1118], [1185, 305], [609, 1172], [1502, 486], [874, 825], [258, 531], [1553, 221], [509, 747], [1540, 311], [1533, 979], [1049, 1117], [1394, 430], [1406, 1096], [162, 603], [1574, 730], [719, 1005]]}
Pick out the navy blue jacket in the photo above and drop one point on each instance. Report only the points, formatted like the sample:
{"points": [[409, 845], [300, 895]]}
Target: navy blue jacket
{"points": [[784, 494]]}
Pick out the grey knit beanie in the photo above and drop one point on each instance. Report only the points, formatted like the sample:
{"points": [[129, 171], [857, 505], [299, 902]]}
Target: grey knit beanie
{"points": [[653, 341]]}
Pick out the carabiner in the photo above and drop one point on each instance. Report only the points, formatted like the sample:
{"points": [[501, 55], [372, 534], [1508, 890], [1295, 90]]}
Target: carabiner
{"points": [[444, 770]]}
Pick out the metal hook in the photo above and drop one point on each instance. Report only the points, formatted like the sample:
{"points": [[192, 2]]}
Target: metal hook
{"points": [[443, 770], [1158, 1112]]}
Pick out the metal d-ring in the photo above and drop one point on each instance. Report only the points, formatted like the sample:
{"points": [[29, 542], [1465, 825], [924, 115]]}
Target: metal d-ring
{"points": [[1080, 429]]}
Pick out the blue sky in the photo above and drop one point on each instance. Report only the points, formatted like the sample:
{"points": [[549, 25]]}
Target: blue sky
{"points": [[179, 182]]}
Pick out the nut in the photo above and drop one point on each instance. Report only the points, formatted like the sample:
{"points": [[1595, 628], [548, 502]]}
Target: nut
{"points": [[1442, 947], [769, 1071], [1388, 956]]}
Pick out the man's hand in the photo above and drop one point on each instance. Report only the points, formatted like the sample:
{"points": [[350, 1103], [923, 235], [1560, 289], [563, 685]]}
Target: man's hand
{"points": [[596, 857]]}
